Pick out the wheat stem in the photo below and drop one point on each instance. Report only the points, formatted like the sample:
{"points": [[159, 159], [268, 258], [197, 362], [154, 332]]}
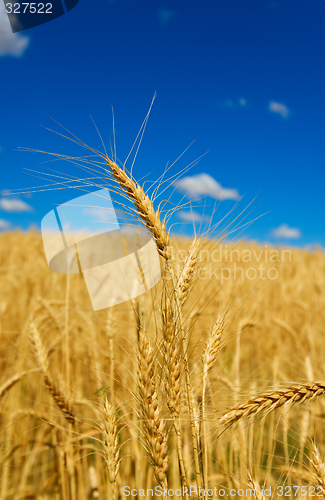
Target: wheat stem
{"points": [[66, 331], [188, 383], [110, 335]]}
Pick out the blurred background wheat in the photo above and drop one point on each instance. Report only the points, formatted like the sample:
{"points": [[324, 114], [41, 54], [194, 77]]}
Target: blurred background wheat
{"points": [[141, 394]]}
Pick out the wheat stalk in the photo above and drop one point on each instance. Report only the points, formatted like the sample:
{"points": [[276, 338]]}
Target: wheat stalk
{"points": [[110, 336], [94, 493], [271, 400], [183, 336], [173, 377], [156, 227]]}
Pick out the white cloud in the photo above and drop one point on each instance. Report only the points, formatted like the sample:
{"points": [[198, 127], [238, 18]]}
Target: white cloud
{"points": [[101, 214], [14, 205], [205, 185], [4, 224], [284, 231], [192, 216], [165, 16], [234, 104], [279, 108], [11, 44]]}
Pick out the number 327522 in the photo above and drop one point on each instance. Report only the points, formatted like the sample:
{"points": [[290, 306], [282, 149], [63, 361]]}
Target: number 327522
{"points": [[31, 8]]}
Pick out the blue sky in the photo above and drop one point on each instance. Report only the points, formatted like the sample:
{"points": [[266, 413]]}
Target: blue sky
{"points": [[244, 79]]}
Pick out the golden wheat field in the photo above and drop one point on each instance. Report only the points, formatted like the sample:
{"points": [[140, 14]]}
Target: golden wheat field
{"points": [[208, 385], [224, 343]]}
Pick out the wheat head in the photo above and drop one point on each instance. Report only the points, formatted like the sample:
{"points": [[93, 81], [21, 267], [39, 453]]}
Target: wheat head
{"points": [[155, 434], [42, 358], [144, 205], [271, 400]]}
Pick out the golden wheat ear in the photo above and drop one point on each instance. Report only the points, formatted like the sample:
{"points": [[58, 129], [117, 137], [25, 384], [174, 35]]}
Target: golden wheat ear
{"points": [[209, 359], [13, 381], [213, 345], [255, 486], [154, 425], [189, 272], [111, 448], [42, 359], [144, 206], [270, 401], [319, 467]]}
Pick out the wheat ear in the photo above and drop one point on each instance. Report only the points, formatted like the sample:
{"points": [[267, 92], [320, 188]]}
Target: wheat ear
{"points": [[144, 206], [155, 434], [42, 359], [173, 371], [271, 400], [188, 274], [13, 380], [256, 487], [213, 345], [111, 448], [157, 228], [172, 359], [209, 359], [319, 467]]}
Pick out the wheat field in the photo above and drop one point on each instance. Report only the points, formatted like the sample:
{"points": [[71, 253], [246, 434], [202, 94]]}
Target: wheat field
{"points": [[209, 383]]}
